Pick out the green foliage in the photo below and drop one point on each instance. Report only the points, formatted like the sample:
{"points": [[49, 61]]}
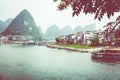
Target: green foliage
{"points": [[74, 46], [57, 39]]}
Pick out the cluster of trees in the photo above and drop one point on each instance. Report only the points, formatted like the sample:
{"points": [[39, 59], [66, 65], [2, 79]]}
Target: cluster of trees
{"points": [[95, 42]]}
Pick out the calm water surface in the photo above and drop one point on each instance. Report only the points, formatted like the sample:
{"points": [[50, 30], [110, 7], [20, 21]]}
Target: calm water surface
{"points": [[19, 62]]}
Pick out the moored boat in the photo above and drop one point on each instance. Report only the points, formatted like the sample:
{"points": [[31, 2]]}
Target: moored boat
{"points": [[30, 42], [106, 55]]}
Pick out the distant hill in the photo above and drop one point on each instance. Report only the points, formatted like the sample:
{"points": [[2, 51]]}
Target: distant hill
{"points": [[77, 29], [23, 24], [1, 26], [4, 25], [66, 30], [52, 32], [40, 32], [90, 27]]}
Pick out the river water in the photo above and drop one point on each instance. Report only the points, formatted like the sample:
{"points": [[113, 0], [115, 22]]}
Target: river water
{"points": [[18, 62]]}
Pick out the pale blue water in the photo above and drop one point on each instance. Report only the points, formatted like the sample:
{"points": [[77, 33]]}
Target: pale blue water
{"points": [[19, 62]]}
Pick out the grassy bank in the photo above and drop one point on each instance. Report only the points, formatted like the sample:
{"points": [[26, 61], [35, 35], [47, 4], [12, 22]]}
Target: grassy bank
{"points": [[74, 46]]}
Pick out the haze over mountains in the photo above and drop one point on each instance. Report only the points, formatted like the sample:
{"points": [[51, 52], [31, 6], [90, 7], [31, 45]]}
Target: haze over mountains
{"points": [[24, 24], [54, 30], [66, 30], [77, 29], [4, 25], [90, 27]]}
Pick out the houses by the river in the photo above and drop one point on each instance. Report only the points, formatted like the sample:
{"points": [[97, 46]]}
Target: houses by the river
{"points": [[81, 38], [14, 39]]}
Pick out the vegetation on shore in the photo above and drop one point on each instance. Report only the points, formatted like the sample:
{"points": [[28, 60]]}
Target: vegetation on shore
{"points": [[76, 46]]}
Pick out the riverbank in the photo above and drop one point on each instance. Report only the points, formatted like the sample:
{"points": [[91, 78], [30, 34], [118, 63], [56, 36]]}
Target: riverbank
{"points": [[29, 42], [114, 48], [85, 49]]}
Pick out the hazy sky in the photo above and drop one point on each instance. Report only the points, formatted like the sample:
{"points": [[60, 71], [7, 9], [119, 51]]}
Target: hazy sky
{"points": [[45, 14]]}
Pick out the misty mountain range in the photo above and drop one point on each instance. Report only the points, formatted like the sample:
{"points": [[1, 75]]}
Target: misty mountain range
{"points": [[24, 24], [4, 25], [54, 31]]}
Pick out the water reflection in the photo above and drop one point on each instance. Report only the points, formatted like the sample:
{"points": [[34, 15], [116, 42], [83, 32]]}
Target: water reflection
{"points": [[108, 62], [105, 60], [18, 62]]}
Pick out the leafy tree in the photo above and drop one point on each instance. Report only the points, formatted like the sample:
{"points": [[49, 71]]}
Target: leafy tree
{"points": [[95, 41], [117, 34], [117, 37], [112, 27], [57, 39], [97, 7]]}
